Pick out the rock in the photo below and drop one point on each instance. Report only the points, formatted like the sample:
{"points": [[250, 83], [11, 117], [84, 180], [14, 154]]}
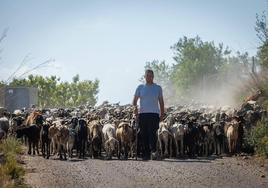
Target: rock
{"points": [[263, 176]]}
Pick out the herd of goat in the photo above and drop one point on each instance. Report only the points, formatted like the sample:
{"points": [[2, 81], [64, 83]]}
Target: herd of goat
{"points": [[186, 131]]}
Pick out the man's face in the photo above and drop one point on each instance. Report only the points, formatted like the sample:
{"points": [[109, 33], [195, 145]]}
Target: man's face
{"points": [[149, 77]]}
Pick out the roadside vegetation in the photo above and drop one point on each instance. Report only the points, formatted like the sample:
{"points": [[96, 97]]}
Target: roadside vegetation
{"points": [[11, 170]]}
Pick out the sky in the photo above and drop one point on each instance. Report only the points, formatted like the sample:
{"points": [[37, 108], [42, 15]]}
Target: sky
{"points": [[112, 40]]}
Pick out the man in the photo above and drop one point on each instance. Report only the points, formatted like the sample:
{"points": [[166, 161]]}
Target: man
{"points": [[150, 113]]}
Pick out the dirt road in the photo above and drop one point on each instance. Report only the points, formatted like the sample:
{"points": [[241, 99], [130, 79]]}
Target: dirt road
{"points": [[221, 172]]}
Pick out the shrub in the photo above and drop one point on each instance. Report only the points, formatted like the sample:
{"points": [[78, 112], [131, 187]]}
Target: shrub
{"points": [[10, 171], [257, 138]]}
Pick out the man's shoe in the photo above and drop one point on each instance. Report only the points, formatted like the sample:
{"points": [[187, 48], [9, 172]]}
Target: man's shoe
{"points": [[145, 158]]}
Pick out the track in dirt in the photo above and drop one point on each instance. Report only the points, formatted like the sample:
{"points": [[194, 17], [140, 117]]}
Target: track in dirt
{"points": [[205, 172]]}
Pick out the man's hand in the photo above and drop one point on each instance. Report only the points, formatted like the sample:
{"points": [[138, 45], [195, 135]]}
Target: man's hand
{"points": [[161, 117], [136, 111], [162, 108], [134, 103]]}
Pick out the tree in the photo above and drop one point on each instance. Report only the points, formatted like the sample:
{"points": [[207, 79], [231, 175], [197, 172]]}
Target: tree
{"points": [[53, 93], [262, 33], [2, 84], [195, 60]]}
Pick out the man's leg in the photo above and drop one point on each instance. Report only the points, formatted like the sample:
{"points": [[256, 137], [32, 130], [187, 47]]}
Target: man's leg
{"points": [[153, 132], [144, 135]]}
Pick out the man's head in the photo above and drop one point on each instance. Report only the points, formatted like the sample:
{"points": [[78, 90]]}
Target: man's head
{"points": [[149, 76]]}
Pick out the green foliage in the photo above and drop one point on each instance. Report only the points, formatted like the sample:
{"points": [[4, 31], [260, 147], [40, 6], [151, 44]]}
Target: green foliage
{"points": [[262, 33], [53, 93], [10, 146], [263, 54], [195, 60], [1, 83], [265, 105], [11, 168], [257, 138], [161, 70], [10, 171], [198, 65]]}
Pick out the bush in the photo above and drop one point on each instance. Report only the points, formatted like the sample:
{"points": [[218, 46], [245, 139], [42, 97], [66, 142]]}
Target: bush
{"points": [[10, 171], [257, 138], [11, 146], [265, 105]]}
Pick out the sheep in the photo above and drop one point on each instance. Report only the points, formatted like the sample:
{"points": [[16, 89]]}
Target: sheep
{"points": [[208, 139], [52, 133], [71, 142], [231, 131], [45, 140], [95, 137], [2, 134], [177, 131], [62, 138], [82, 134], [4, 125], [164, 136], [111, 144], [218, 138], [32, 132], [124, 135]]}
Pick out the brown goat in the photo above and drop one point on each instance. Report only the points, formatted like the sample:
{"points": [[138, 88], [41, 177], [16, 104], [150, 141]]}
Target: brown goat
{"points": [[231, 133], [95, 137], [124, 135]]}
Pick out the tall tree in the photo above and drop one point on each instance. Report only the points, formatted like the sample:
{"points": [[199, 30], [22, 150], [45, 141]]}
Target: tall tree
{"points": [[262, 33], [195, 60]]}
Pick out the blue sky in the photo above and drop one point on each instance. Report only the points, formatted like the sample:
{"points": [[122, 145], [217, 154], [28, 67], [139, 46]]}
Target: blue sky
{"points": [[112, 40]]}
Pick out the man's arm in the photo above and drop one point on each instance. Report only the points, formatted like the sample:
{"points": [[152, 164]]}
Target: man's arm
{"points": [[134, 103], [162, 107]]}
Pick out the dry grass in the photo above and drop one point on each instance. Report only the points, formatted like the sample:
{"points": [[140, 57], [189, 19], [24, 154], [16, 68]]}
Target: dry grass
{"points": [[11, 172]]}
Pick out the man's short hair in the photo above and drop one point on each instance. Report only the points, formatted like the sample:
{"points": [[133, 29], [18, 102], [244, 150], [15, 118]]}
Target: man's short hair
{"points": [[149, 71]]}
